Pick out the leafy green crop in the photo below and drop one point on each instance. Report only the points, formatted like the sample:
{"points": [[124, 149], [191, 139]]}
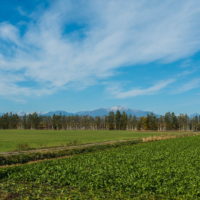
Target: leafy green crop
{"points": [[167, 169]]}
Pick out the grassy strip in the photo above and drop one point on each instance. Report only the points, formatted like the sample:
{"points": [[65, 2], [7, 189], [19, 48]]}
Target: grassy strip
{"points": [[24, 158], [20, 140]]}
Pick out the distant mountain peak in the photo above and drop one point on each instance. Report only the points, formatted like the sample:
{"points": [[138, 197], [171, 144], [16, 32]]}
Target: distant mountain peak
{"points": [[116, 108]]}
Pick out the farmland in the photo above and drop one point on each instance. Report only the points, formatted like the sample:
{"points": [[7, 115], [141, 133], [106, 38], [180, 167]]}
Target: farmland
{"points": [[12, 140], [167, 169]]}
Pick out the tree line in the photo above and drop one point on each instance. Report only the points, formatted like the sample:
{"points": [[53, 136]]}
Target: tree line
{"points": [[113, 121]]}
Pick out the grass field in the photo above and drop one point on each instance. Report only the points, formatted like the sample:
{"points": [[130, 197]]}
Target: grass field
{"points": [[12, 140], [168, 169]]}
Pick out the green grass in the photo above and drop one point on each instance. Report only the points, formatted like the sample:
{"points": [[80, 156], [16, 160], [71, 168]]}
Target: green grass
{"points": [[167, 169], [11, 140]]}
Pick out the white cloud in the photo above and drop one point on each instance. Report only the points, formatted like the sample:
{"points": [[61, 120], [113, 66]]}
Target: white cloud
{"points": [[190, 85], [113, 34], [119, 93], [8, 32], [8, 87]]}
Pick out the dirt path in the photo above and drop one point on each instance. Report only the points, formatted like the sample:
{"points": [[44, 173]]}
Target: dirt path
{"points": [[53, 149], [35, 161]]}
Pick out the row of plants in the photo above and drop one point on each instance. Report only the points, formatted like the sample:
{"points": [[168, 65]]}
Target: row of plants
{"points": [[168, 169]]}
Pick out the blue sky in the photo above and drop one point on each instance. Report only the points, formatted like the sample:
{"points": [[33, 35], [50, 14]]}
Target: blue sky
{"points": [[79, 55]]}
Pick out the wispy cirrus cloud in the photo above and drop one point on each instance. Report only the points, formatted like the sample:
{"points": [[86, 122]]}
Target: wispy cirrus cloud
{"points": [[190, 85], [118, 92], [108, 35]]}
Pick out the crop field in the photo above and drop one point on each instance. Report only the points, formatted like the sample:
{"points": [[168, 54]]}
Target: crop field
{"points": [[14, 140], [168, 169]]}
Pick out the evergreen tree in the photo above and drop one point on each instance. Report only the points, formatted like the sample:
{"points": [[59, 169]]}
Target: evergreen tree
{"points": [[124, 121], [118, 120], [111, 121], [152, 122]]}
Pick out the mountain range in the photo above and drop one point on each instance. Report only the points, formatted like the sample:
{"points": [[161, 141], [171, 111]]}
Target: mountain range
{"points": [[97, 112], [100, 112]]}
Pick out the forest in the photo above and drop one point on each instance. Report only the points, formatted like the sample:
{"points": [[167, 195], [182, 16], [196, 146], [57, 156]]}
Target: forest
{"points": [[113, 121]]}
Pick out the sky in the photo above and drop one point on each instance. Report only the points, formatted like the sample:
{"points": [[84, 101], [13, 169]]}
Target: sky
{"points": [[87, 54]]}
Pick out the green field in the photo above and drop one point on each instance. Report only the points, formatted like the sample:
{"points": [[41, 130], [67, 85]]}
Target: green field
{"points": [[12, 140], [168, 169]]}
